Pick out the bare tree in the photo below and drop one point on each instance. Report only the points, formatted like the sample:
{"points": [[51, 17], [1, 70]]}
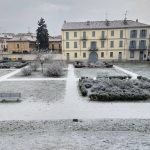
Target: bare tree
{"points": [[42, 58]]}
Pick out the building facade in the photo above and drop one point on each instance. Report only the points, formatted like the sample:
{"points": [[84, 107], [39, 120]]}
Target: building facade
{"points": [[105, 40], [55, 44], [21, 45]]}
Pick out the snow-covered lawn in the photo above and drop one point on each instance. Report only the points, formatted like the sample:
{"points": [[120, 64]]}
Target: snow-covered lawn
{"points": [[93, 72], [142, 69], [4, 72], [32, 91], [67, 135]]}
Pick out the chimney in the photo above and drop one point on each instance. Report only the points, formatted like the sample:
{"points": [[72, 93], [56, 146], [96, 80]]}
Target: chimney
{"points": [[88, 23], [65, 21]]}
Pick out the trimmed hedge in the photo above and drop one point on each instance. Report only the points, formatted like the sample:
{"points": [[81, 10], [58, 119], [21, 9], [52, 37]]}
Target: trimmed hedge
{"points": [[114, 89]]}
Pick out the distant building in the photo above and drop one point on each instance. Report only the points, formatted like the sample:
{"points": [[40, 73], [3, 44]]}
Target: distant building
{"points": [[105, 40], [3, 42], [21, 45], [55, 44]]}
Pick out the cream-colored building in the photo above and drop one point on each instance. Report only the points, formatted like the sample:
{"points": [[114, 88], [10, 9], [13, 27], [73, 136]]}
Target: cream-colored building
{"points": [[105, 40]]}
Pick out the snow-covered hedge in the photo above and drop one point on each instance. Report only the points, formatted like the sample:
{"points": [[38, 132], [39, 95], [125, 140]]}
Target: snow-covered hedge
{"points": [[27, 71], [55, 69], [106, 89]]}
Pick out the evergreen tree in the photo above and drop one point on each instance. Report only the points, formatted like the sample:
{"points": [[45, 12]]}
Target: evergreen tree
{"points": [[42, 35]]}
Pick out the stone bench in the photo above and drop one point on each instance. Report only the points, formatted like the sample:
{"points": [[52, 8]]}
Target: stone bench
{"points": [[10, 97]]}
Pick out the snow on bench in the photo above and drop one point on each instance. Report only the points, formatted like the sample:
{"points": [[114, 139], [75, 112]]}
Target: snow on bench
{"points": [[10, 97]]}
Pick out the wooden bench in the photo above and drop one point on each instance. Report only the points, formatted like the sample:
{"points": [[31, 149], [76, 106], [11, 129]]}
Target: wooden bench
{"points": [[10, 97]]}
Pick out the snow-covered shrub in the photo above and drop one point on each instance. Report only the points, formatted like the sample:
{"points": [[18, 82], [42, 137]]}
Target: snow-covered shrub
{"points": [[105, 89], [83, 90], [54, 70], [34, 66], [27, 71]]}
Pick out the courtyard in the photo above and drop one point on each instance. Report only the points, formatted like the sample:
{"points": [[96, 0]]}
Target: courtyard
{"points": [[57, 101]]}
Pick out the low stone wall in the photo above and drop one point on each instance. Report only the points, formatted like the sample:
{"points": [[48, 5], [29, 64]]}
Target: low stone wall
{"points": [[29, 57]]}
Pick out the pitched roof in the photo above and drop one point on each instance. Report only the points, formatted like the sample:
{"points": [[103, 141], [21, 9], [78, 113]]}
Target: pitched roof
{"points": [[55, 39], [102, 25], [22, 39]]}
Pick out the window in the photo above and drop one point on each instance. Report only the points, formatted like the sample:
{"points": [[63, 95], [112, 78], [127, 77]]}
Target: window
{"points": [[133, 34], [103, 34], [102, 44], [132, 44], [93, 45], [84, 35], [52, 46], [17, 45], [111, 54], [67, 44], [142, 44], [143, 33], [102, 54], [84, 44], [67, 35], [75, 45], [111, 44], [93, 33], [121, 34], [84, 55], [59, 46], [120, 43], [131, 54], [75, 55], [75, 34], [112, 33]]}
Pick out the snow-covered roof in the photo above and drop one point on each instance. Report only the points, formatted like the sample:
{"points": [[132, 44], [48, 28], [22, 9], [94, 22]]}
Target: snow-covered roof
{"points": [[31, 39], [103, 25], [55, 39]]}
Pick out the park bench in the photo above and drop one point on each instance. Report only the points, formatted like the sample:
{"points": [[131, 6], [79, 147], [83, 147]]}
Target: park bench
{"points": [[10, 97]]}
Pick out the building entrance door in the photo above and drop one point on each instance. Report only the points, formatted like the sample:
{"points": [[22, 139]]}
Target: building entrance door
{"points": [[68, 57], [93, 57], [120, 56], [141, 56]]}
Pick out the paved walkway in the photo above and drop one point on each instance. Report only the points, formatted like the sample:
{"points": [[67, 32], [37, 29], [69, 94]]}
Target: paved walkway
{"points": [[133, 75]]}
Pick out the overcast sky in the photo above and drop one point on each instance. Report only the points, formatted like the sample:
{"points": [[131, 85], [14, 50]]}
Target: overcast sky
{"points": [[23, 15]]}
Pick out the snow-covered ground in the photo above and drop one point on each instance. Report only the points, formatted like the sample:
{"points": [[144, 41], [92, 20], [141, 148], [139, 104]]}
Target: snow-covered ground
{"points": [[68, 135], [142, 69], [4, 72]]}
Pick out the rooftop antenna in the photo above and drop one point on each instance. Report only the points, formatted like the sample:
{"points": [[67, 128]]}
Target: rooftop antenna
{"points": [[125, 19], [126, 15], [106, 19], [106, 16]]}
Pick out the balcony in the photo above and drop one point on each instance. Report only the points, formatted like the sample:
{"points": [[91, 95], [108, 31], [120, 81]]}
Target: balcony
{"points": [[93, 49], [103, 38], [84, 38], [131, 47], [141, 47]]}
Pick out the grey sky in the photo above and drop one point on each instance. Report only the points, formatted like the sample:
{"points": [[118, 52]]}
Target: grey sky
{"points": [[19, 15]]}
